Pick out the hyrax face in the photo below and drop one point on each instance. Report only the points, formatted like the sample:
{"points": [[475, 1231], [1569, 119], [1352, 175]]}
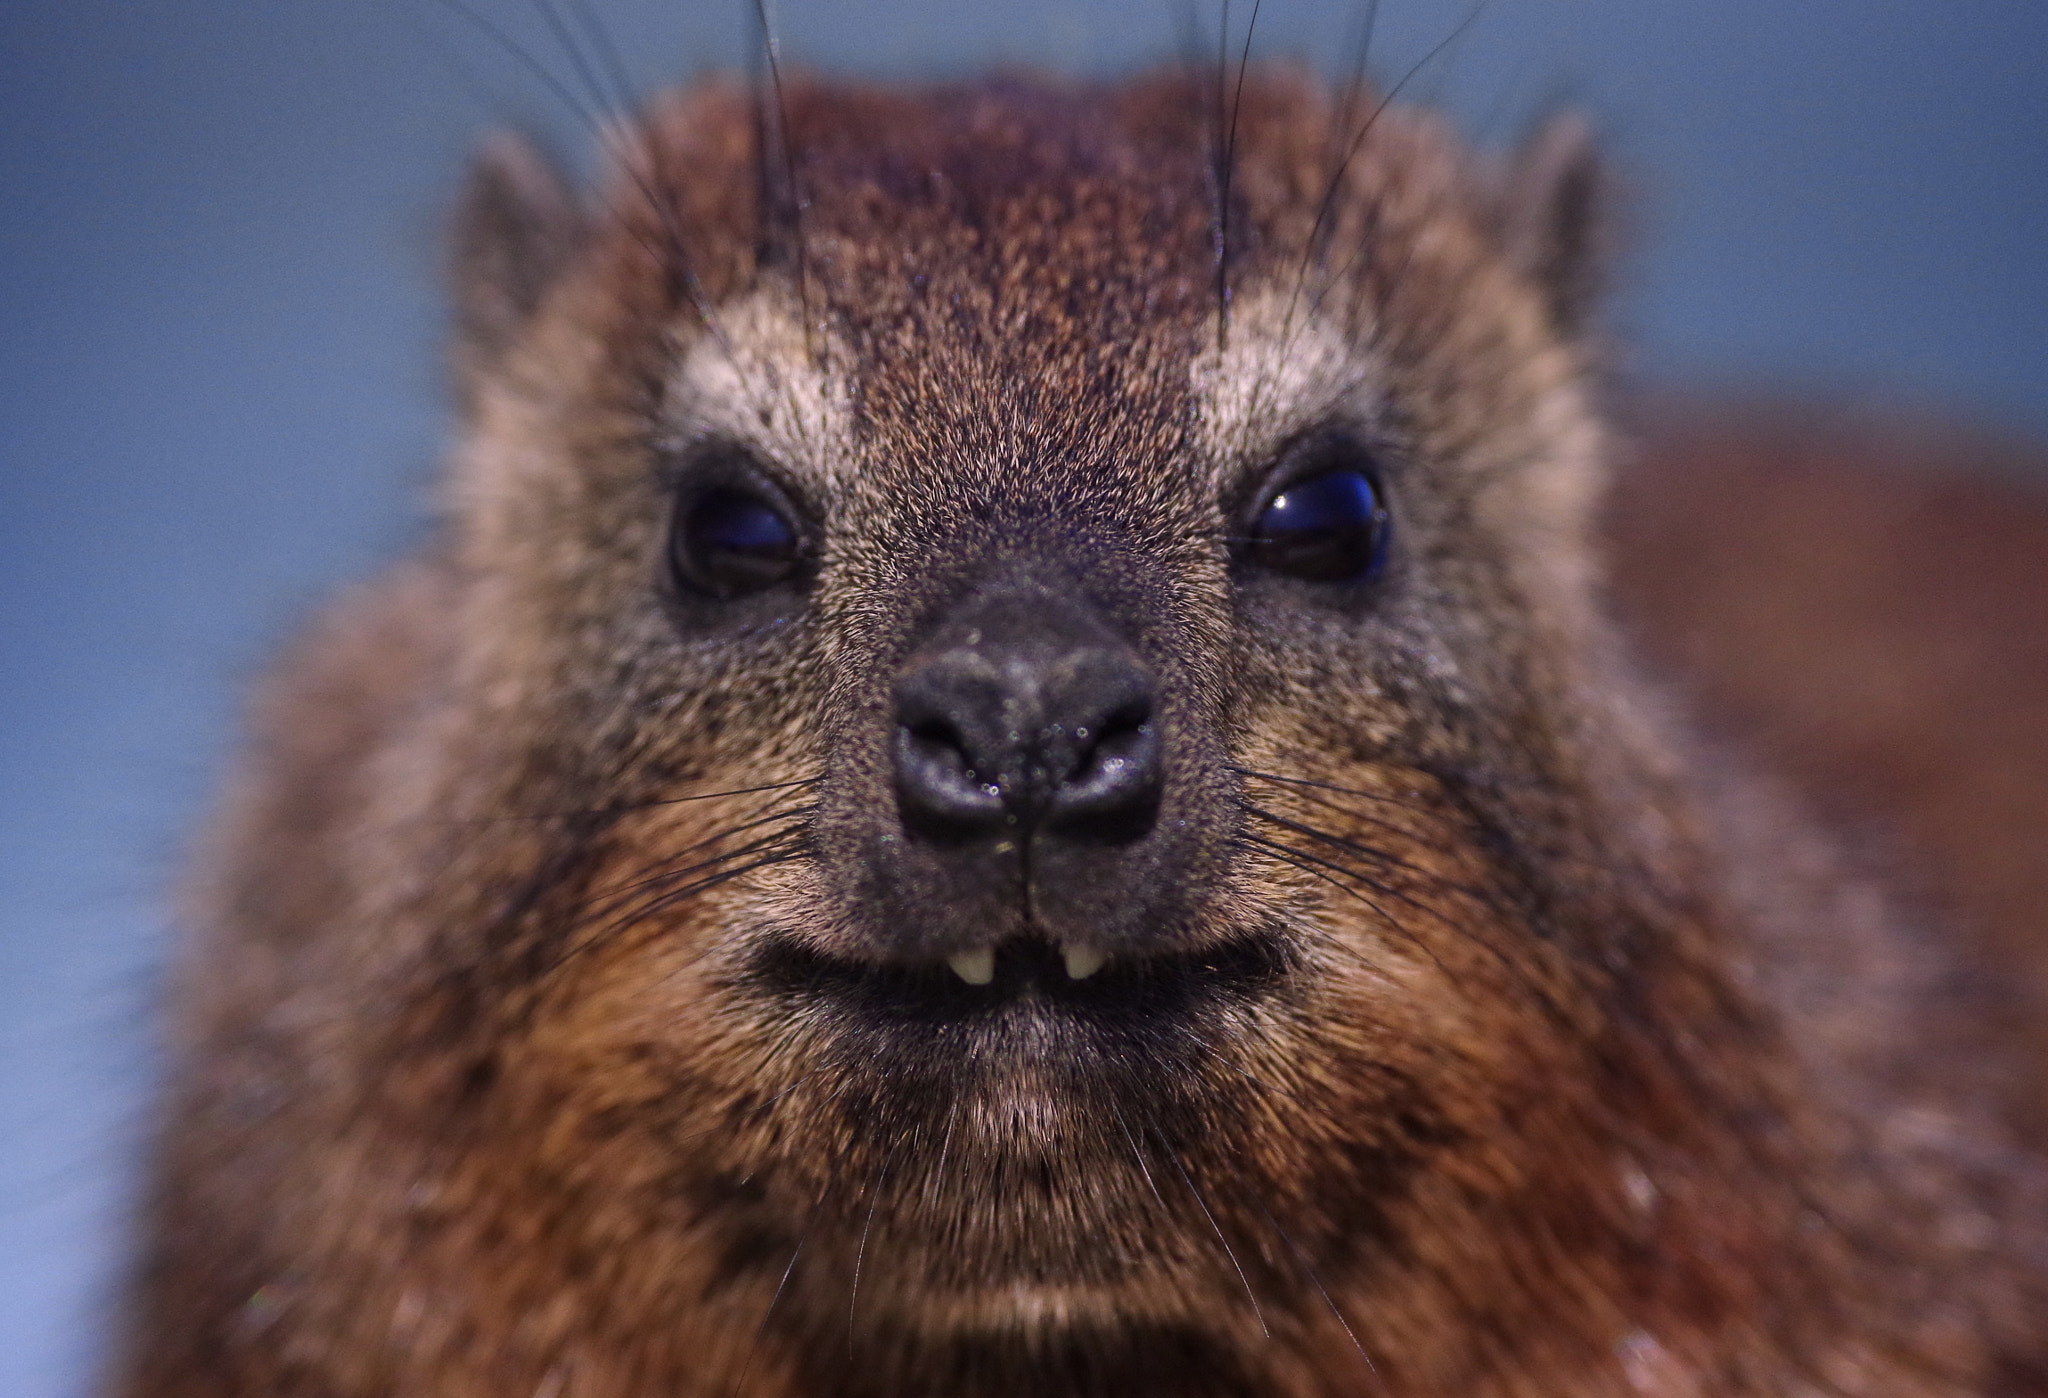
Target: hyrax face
{"points": [[1022, 731]]}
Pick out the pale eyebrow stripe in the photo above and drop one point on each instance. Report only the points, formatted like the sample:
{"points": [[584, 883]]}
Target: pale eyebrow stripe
{"points": [[1267, 389], [759, 389]]}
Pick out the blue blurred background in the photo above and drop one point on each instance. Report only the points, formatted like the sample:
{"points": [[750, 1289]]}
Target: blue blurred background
{"points": [[220, 393]]}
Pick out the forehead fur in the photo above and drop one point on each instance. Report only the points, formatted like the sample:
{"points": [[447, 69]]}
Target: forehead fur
{"points": [[984, 266]]}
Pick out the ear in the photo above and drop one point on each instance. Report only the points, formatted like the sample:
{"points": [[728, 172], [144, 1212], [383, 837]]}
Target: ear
{"points": [[1553, 218], [516, 227]]}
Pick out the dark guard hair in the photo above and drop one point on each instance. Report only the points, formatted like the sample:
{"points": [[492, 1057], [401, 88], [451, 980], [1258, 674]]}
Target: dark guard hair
{"points": [[933, 823]]}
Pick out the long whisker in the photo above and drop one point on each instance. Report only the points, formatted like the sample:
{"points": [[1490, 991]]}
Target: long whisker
{"points": [[876, 1186], [1315, 1279], [1455, 787], [1457, 791], [790, 203], [1330, 786], [782, 851], [621, 890], [524, 56], [1332, 142], [754, 1349], [674, 258], [1326, 206], [1216, 1055], [1334, 875], [619, 100], [1228, 1251], [630, 807], [1227, 166], [1355, 84], [1378, 856], [1516, 972], [1300, 1254], [573, 50], [860, 1254], [601, 44], [613, 900], [1137, 1154]]}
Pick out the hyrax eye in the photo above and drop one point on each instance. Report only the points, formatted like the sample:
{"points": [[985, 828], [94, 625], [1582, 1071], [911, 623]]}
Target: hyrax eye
{"points": [[730, 540], [1326, 525]]}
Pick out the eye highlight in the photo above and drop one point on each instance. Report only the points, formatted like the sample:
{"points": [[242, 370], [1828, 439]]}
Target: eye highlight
{"points": [[731, 539], [1327, 525]]}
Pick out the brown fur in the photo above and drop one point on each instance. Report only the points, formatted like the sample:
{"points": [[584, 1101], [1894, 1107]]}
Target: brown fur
{"points": [[1501, 1041], [1858, 596]]}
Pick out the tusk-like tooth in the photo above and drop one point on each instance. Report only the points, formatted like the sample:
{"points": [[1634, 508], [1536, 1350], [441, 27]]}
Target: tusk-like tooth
{"points": [[977, 967], [1083, 962]]}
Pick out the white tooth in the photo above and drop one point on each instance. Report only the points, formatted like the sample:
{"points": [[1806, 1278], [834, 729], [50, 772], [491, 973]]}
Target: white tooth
{"points": [[975, 967], [1083, 962]]}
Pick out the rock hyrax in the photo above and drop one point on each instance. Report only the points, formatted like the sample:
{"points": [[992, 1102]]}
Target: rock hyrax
{"points": [[1005, 777]]}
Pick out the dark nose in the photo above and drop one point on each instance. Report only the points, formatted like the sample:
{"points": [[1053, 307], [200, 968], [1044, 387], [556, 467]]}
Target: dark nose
{"points": [[1025, 714]]}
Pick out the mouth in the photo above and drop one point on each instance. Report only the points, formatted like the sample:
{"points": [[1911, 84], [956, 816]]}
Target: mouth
{"points": [[1027, 980], [1009, 1124]]}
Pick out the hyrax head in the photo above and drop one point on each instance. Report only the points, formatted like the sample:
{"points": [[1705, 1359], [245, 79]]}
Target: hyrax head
{"points": [[1023, 720]]}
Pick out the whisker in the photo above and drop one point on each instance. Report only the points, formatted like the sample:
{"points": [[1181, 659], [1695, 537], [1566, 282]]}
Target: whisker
{"points": [[607, 52], [771, 852], [653, 879], [1334, 875], [1212, 120], [946, 1141], [614, 899], [1317, 244], [1228, 1251], [754, 1349], [481, 90], [1138, 1155], [1315, 1279], [790, 853], [1254, 1079], [617, 103], [1376, 822], [1300, 1254], [787, 201], [629, 807], [1483, 895], [1450, 785], [875, 1188], [1355, 84], [1456, 791], [860, 1256], [573, 51], [1362, 794], [1517, 973], [526, 59], [1226, 160], [1460, 790], [673, 259], [777, 807]]}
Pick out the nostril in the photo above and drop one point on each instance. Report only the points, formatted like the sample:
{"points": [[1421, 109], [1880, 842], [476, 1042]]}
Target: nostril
{"points": [[1113, 794], [1125, 720], [1112, 739], [937, 733], [938, 790]]}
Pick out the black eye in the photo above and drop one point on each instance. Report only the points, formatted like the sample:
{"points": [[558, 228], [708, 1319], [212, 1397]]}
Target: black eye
{"points": [[1325, 527], [731, 540]]}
